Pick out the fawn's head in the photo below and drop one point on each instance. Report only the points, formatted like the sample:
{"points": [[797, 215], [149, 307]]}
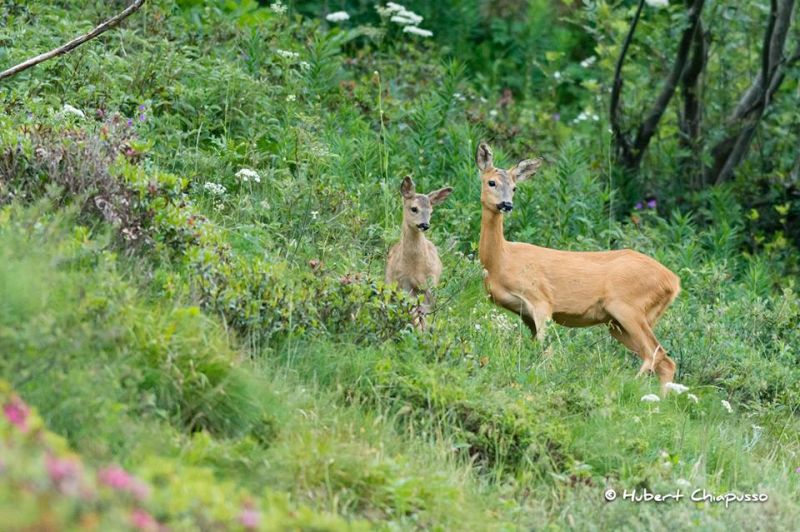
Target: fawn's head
{"points": [[498, 186], [417, 208]]}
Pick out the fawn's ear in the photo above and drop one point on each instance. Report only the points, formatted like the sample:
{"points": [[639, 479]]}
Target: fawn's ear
{"points": [[407, 187], [438, 196], [484, 157], [526, 169]]}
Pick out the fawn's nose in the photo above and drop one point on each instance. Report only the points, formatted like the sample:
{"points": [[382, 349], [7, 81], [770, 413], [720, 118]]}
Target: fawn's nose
{"points": [[505, 206], [423, 226]]}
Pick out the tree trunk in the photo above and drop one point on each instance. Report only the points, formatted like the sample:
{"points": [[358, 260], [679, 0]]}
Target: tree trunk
{"points": [[728, 153]]}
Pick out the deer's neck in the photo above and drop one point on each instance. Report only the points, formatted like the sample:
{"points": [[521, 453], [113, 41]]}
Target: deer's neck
{"points": [[492, 243], [412, 240]]}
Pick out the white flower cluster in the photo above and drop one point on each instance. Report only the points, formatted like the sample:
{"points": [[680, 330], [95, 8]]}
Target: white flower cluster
{"points": [[589, 61], [651, 398], [657, 3], [400, 15], [337, 16], [215, 188], [245, 174], [278, 7], [418, 31], [70, 110], [583, 116], [286, 54]]}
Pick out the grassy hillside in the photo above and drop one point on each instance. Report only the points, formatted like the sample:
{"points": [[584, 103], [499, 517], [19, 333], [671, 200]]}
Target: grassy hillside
{"points": [[206, 348]]}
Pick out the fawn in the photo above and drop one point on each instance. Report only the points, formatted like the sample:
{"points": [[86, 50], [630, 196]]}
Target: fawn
{"points": [[413, 262], [624, 289]]}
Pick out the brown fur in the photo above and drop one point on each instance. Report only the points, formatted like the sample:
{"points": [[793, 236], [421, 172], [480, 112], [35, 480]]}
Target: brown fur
{"points": [[413, 262], [624, 289]]}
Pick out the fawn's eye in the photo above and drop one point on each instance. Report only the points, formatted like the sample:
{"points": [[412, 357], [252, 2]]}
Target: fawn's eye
{"points": [[492, 183], [514, 189], [414, 209]]}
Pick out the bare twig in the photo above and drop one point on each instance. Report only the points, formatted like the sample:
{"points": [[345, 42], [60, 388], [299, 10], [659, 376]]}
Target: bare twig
{"points": [[74, 43]]}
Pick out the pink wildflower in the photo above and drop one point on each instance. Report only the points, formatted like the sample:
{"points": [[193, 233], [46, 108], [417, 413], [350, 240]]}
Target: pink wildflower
{"points": [[115, 477], [17, 412], [62, 470], [142, 520], [250, 518]]}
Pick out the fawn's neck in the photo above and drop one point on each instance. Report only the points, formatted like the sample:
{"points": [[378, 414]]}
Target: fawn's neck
{"points": [[412, 240], [492, 243]]}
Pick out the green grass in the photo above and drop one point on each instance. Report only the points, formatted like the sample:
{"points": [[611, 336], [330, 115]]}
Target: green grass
{"points": [[243, 351]]}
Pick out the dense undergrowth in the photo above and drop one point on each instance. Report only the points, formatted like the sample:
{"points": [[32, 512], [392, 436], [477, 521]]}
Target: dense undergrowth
{"points": [[225, 335]]}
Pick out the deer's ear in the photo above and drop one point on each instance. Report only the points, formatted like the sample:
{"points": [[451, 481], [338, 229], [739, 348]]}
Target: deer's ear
{"points": [[484, 157], [407, 187], [526, 169], [438, 196]]}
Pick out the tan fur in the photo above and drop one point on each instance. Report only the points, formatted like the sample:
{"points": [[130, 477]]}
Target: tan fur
{"points": [[413, 262], [624, 289]]}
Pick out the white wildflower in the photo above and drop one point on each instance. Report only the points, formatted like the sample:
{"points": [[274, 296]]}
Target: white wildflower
{"points": [[677, 388], [589, 61], [278, 8], [245, 174], [651, 398], [557, 75], [314, 215], [657, 3], [265, 205], [682, 482], [595, 118], [392, 7], [727, 406], [403, 21], [286, 54], [477, 326], [693, 397], [501, 321], [338, 16], [70, 110], [410, 15], [291, 98], [215, 188], [493, 112], [418, 31], [304, 65]]}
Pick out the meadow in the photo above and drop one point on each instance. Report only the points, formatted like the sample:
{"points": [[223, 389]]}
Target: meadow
{"points": [[195, 213]]}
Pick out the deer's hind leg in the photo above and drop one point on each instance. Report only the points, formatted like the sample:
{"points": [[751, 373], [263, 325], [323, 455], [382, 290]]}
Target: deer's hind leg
{"points": [[635, 333]]}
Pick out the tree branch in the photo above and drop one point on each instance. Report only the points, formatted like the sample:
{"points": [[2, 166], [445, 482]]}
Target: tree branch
{"points": [[623, 145], [730, 151], [631, 152], [74, 43], [648, 127]]}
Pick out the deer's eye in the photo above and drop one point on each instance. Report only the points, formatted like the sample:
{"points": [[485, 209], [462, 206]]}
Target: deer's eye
{"points": [[414, 209], [492, 183], [514, 189]]}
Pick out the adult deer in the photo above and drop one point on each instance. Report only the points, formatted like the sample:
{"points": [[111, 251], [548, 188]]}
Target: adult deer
{"points": [[413, 262], [624, 289]]}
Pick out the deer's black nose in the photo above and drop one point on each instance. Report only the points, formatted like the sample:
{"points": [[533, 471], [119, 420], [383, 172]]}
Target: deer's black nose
{"points": [[505, 206], [423, 227]]}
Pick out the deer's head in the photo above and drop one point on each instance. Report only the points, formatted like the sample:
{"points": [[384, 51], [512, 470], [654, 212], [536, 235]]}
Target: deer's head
{"points": [[417, 208], [498, 186]]}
